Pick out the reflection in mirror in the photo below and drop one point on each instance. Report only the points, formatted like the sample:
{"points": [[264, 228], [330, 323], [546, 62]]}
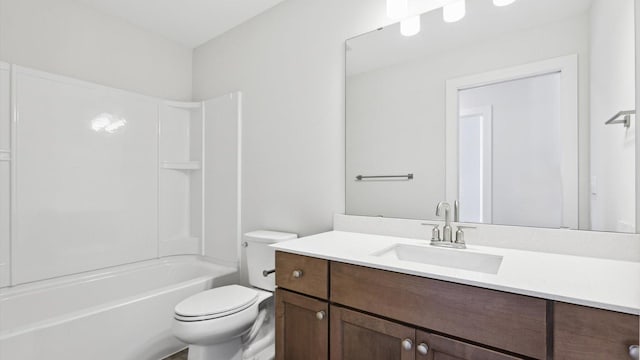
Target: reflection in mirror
{"points": [[519, 120], [527, 142], [504, 111]]}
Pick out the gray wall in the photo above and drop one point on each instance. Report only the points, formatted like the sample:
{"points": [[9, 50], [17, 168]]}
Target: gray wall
{"points": [[289, 64], [69, 38]]}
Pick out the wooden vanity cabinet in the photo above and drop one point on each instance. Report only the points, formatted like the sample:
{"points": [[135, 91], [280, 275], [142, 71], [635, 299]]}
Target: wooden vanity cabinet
{"points": [[327, 309], [303, 274], [584, 333], [302, 327], [357, 336], [436, 347], [302, 308], [514, 323]]}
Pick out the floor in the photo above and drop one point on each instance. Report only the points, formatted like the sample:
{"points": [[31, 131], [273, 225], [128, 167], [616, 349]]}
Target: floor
{"points": [[182, 355]]}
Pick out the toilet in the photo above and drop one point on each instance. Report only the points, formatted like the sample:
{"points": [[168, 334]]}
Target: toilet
{"points": [[234, 322]]}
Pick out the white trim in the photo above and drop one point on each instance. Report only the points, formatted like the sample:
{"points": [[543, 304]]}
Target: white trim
{"points": [[5, 66], [239, 180], [568, 68], [486, 113], [203, 184], [14, 174]]}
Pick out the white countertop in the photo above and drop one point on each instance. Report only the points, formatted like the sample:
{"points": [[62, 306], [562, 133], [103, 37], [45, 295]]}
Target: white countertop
{"points": [[601, 283]]}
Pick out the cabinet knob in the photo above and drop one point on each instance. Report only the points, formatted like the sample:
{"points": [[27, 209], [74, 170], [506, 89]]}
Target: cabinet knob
{"points": [[634, 352], [297, 274], [423, 349], [320, 315], [407, 344]]}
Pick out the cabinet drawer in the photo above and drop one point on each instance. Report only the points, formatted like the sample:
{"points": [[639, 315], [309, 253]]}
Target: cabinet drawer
{"points": [[302, 274], [586, 333], [506, 321]]}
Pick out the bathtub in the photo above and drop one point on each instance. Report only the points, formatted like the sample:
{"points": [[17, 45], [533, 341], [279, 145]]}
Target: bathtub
{"points": [[121, 313]]}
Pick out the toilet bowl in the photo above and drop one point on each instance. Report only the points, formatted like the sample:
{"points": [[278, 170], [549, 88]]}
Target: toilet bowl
{"points": [[214, 321], [218, 324]]}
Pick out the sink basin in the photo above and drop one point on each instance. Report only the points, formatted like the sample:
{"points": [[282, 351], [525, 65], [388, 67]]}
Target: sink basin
{"points": [[452, 258]]}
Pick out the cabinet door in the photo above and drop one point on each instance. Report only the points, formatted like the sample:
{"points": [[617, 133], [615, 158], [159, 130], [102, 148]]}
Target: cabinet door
{"points": [[302, 327], [584, 333], [435, 347], [356, 336]]}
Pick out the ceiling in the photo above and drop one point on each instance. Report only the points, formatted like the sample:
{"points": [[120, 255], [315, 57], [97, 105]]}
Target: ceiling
{"points": [[188, 22]]}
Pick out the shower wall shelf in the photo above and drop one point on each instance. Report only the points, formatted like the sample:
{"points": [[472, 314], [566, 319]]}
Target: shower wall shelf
{"points": [[181, 188], [181, 165], [184, 105]]}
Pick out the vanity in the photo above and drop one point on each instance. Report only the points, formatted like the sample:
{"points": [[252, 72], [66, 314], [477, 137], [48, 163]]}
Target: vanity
{"points": [[341, 295]]}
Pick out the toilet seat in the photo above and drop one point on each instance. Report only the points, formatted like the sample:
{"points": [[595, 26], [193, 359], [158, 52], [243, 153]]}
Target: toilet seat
{"points": [[216, 303]]}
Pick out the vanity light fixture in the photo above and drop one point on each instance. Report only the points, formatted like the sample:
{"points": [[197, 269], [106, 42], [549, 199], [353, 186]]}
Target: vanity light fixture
{"points": [[455, 11], [503, 2], [410, 26]]}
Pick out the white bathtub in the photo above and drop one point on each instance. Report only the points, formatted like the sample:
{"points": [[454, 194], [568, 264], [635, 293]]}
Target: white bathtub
{"points": [[121, 313]]}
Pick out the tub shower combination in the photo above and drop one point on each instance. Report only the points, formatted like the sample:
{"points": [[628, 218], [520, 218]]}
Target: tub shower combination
{"points": [[105, 230]]}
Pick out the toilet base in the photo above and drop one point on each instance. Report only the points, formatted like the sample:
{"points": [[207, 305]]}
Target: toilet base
{"points": [[231, 350]]}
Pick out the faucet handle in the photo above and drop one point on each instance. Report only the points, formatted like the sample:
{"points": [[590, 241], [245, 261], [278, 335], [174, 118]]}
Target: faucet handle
{"points": [[435, 233], [460, 233]]}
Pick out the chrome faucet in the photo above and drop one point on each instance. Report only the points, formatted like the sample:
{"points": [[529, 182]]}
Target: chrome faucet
{"points": [[447, 231]]}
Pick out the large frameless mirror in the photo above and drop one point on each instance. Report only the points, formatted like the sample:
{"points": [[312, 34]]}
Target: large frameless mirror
{"points": [[525, 114]]}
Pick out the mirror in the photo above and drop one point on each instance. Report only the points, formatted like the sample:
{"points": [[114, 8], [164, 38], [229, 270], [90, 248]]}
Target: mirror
{"points": [[525, 114]]}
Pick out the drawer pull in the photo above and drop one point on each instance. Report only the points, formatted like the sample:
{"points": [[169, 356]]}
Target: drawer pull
{"points": [[297, 274], [320, 315], [407, 344], [634, 352], [423, 349]]}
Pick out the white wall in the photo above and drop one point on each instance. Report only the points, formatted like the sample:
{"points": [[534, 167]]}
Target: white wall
{"points": [[613, 147], [72, 39], [409, 93], [289, 64], [223, 123]]}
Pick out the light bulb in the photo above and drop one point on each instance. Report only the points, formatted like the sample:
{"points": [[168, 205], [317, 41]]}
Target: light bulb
{"points": [[410, 26], [503, 2], [454, 11], [397, 9]]}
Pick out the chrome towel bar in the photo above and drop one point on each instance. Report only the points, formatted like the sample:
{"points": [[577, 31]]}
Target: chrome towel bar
{"points": [[362, 177]]}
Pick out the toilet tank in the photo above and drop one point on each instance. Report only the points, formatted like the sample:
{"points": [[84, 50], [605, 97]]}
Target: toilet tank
{"points": [[260, 256]]}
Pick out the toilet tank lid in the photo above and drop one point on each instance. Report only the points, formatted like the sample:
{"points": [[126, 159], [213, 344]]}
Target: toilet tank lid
{"points": [[269, 236]]}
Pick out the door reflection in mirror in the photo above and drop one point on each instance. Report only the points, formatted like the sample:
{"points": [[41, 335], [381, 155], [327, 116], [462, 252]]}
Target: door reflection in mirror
{"points": [[509, 155]]}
